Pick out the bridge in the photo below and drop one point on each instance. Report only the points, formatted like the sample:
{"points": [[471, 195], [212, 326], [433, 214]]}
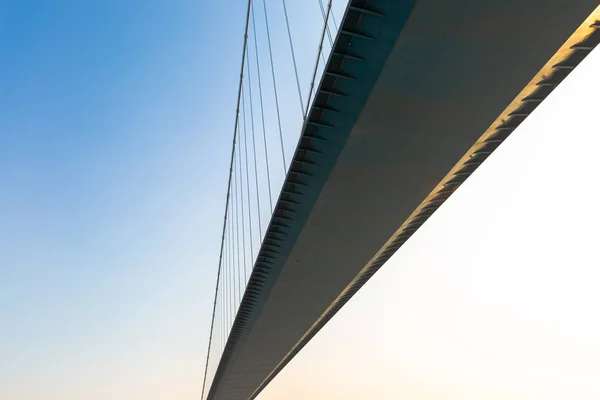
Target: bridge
{"points": [[412, 97]]}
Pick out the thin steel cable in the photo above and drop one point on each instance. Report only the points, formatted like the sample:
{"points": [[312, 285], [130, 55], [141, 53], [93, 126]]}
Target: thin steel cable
{"points": [[225, 316], [232, 279], [224, 291], [240, 175], [248, 182], [232, 264], [237, 235], [234, 274], [227, 284], [274, 84], [220, 325], [325, 21], [328, 33], [335, 25], [232, 239], [225, 319], [215, 346], [254, 150], [227, 197], [312, 84], [218, 330], [322, 58], [235, 256], [240, 234], [217, 342], [231, 275], [287, 22], [232, 246], [232, 254], [224, 322], [262, 112]]}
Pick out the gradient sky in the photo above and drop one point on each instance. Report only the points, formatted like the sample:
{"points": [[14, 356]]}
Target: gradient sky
{"points": [[116, 120], [115, 129]]}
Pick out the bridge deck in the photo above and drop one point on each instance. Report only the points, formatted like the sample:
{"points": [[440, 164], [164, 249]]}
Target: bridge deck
{"points": [[398, 121]]}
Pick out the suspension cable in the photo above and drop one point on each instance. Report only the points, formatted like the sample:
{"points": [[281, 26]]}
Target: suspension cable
{"points": [[226, 285], [254, 150], [227, 197], [287, 22], [274, 85], [335, 25], [230, 276], [312, 84], [325, 21], [262, 111], [232, 239], [234, 274], [237, 235], [221, 323], [241, 186], [231, 271], [247, 181]]}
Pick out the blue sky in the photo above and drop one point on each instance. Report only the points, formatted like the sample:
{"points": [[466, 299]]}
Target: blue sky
{"points": [[111, 121], [116, 120]]}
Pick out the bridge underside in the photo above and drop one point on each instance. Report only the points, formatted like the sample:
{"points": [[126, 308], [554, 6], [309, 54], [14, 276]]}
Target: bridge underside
{"points": [[449, 73]]}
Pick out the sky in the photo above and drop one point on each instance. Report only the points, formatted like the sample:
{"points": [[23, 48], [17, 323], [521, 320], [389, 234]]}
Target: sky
{"points": [[116, 121], [115, 131]]}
